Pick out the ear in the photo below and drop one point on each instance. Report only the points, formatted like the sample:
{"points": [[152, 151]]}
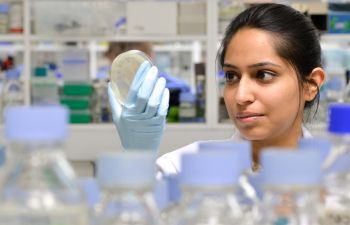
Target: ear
{"points": [[314, 82]]}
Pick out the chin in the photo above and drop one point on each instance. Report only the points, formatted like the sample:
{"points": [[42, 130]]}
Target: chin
{"points": [[253, 134]]}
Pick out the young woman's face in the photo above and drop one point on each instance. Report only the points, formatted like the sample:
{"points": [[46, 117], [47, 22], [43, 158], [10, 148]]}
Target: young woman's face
{"points": [[261, 94]]}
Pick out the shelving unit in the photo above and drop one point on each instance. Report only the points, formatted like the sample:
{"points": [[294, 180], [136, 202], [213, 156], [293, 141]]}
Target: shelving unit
{"points": [[86, 141], [118, 38]]}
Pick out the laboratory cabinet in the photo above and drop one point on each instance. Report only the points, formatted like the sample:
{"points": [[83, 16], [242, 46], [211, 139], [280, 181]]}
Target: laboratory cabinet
{"points": [[60, 28]]}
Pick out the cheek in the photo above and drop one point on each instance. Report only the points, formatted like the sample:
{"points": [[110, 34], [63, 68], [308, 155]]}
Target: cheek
{"points": [[283, 100], [280, 100], [229, 102]]}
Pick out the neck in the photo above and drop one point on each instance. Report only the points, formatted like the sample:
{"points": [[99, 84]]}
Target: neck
{"points": [[288, 140]]}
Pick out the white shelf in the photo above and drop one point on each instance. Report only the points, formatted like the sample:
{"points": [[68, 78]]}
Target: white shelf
{"points": [[59, 48], [335, 37], [11, 1], [160, 38], [12, 48], [12, 37], [174, 48], [85, 142]]}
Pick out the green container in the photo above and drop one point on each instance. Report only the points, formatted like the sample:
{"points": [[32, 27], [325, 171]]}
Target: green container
{"points": [[173, 114], [80, 118], [79, 89], [40, 72], [76, 104]]}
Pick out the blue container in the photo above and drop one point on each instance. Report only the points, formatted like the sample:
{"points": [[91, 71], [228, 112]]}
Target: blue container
{"points": [[339, 22]]}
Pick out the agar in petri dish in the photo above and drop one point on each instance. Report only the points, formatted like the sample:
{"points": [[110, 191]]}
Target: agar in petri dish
{"points": [[123, 70]]}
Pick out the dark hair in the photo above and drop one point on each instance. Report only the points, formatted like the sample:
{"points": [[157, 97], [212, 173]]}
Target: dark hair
{"points": [[297, 39]]}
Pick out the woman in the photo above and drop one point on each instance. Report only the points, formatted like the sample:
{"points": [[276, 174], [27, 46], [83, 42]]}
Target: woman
{"points": [[271, 57]]}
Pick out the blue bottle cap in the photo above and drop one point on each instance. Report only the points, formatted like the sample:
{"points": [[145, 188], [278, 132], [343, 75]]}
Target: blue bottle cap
{"points": [[12, 74], [242, 147], [36, 123], [290, 167], [52, 66], [4, 7], [126, 169], [321, 145], [339, 121], [209, 168]]}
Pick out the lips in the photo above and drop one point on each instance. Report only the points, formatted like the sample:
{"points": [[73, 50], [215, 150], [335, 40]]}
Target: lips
{"points": [[244, 115]]}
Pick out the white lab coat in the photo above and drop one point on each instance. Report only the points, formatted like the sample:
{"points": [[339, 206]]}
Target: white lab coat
{"points": [[169, 163]]}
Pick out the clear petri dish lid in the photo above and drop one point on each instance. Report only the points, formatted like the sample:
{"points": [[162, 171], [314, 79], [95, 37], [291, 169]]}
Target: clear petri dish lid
{"points": [[123, 70]]}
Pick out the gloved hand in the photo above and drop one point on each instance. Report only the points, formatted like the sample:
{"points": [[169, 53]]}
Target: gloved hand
{"points": [[141, 120]]}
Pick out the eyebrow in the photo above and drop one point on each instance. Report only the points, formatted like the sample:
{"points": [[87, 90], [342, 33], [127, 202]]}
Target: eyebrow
{"points": [[261, 64]]}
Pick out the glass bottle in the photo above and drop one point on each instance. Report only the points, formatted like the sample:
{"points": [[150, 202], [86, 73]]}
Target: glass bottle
{"points": [[247, 195], [126, 181], [38, 185], [322, 145], [337, 167], [209, 183], [291, 181]]}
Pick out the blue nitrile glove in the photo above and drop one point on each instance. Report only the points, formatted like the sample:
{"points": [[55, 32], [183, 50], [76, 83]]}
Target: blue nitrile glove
{"points": [[141, 120]]}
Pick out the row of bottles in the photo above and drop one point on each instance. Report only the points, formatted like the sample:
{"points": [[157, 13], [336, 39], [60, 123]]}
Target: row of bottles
{"points": [[39, 186], [295, 187], [215, 185], [308, 186]]}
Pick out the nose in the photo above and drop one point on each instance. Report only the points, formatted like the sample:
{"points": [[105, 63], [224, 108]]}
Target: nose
{"points": [[245, 91]]}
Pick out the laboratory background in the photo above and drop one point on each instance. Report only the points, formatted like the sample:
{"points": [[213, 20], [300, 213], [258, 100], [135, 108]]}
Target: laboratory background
{"points": [[60, 52]]}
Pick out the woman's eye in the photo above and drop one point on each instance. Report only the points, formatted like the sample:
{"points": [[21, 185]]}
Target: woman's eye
{"points": [[265, 75], [230, 77]]}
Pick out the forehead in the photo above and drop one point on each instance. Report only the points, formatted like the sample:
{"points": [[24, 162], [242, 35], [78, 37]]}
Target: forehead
{"points": [[252, 45]]}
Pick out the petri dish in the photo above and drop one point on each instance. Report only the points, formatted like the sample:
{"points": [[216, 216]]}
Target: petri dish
{"points": [[123, 70]]}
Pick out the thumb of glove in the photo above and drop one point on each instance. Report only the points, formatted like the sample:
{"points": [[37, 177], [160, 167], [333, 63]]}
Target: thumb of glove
{"points": [[116, 107]]}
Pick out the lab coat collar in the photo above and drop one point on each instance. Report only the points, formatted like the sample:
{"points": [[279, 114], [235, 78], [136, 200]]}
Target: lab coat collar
{"points": [[305, 133]]}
